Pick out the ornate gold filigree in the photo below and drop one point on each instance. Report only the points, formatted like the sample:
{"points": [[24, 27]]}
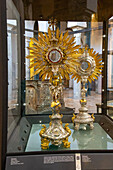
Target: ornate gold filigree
{"points": [[98, 64], [93, 116], [42, 130], [66, 143], [67, 128], [43, 47], [74, 116], [44, 143]]}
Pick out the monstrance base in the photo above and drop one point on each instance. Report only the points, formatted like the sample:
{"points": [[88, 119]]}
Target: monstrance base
{"points": [[55, 133], [82, 120]]}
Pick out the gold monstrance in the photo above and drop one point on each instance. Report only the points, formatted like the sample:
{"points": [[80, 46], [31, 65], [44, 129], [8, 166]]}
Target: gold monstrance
{"points": [[89, 68], [54, 57]]}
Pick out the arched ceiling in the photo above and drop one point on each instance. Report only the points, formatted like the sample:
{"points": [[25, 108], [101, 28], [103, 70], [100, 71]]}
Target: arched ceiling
{"points": [[65, 10]]}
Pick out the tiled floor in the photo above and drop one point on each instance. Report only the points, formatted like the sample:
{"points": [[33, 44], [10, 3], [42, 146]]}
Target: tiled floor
{"points": [[75, 103]]}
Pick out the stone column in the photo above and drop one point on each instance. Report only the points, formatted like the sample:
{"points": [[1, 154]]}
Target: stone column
{"points": [[76, 89]]}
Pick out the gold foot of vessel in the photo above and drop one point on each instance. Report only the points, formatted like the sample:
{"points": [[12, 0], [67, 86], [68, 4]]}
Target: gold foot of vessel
{"points": [[66, 143], [44, 143]]}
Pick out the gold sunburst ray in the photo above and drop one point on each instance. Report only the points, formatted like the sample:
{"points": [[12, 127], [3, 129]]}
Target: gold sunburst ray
{"points": [[75, 48], [47, 38], [49, 33], [33, 65], [39, 70], [69, 47], [37, 53], [61, 72], [36, 65], [44, 76], [68, 69], [60, 79], [71, 40], [36, 43], [40, 66], [37, 48], [96, 55], [57, 33], [50, 74], [38, 60], [46, 70], [92, 77], [43, 37], [96, 74], [74, 75], [65, 42], [89, 79], [65, 36], [93, 53], [32, 48], [77, 77], [43, 44], [31, 56], [95, 77], [43, 41], [67, 75]]}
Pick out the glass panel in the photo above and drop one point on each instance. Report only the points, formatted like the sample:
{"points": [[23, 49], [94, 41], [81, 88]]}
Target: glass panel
{"points": [[34, 100], [86, 33], [13, 40], [36, 96], [110, 70], [29, 32], [29, 27]]}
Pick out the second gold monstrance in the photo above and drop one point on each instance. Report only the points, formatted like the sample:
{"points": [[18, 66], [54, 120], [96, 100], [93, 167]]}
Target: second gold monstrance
{"points": [[89, 68]]}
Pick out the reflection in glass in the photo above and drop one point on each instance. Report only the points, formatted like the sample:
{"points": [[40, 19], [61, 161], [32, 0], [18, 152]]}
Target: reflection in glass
{"points": [[110, 69], [96, 139], [41, 95], [13, 26]]}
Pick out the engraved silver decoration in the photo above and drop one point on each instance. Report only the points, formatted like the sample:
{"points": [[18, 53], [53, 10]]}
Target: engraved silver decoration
{"points": [[56, 133], [85, 69]]}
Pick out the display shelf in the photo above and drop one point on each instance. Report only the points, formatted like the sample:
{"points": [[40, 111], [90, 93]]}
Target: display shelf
{"points": [[96, 139]]}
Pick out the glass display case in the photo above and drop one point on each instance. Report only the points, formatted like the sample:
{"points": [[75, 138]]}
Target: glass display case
{"points": [[30, 100]]}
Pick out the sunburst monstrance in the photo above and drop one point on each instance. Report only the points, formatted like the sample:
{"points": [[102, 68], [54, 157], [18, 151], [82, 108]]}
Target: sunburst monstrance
{"points": [[90, 64], [51, 49], [54, 56], [89, 68]]}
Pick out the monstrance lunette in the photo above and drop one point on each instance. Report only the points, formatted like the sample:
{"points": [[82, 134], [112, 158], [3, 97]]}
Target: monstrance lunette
{"points": [[54, 56], [90, 68]]}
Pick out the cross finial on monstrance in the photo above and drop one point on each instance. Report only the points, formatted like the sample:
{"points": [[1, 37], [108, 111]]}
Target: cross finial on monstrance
{"points": [[52, 23]]}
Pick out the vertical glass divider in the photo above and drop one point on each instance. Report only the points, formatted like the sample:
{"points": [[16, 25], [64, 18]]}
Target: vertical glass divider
{"points": [[104, 72]]}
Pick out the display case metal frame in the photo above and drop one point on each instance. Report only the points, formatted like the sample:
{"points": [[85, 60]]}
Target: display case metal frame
{"points": [[4, 75], [4, 84]]}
